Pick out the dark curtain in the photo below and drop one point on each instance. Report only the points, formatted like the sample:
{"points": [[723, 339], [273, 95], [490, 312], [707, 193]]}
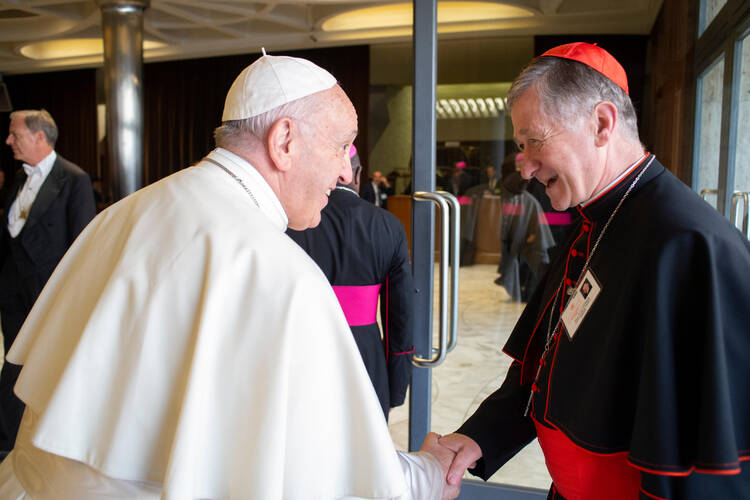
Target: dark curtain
{"points": [[70, 97], [184, 102]]}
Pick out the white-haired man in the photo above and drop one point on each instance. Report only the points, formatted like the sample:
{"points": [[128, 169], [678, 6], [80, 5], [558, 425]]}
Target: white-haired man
{"points": [[202, 354], [50, 203]]}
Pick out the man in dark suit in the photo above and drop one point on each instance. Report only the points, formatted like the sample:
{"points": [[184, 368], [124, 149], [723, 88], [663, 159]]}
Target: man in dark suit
{"points": [[493, 183], [48, 205], [377, 190], [363, 253]]}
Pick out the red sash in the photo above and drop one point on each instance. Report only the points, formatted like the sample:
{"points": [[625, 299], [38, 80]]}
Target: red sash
{"points": [[579, 474]]}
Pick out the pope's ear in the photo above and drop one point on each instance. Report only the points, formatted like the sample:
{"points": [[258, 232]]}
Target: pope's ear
{"points": [[279, 143]]}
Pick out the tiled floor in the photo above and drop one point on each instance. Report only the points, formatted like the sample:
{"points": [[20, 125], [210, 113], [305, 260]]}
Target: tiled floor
{"points": [[474, 369]]}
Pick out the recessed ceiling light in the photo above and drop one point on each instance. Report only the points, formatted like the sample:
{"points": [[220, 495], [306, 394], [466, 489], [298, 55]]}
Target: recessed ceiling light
{"points": [[72, 47], [400, 14]]}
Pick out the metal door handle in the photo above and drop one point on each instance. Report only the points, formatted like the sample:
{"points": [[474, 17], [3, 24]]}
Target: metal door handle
{"points": [[455, 238], [745, 197], [706, 192], [442, 350]]}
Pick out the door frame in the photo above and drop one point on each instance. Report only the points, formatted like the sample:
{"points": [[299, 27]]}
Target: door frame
{"points": [[423, 245]]}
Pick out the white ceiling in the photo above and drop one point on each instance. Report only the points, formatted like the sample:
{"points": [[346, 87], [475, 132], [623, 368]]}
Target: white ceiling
{"points": [[201, 28]]}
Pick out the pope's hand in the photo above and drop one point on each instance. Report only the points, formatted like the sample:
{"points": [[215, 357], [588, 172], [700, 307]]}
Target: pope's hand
{"points": [[467, 453], [446, 457]]}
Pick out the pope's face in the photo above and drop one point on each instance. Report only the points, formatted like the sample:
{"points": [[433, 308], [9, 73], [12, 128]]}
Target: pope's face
{"points": [[564, 161], [324, 160]]}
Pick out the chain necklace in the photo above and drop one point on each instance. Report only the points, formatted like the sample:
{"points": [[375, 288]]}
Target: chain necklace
{"points": [[550, 330], [233, 176]]}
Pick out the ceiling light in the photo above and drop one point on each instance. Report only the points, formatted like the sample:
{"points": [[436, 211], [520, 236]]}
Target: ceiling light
{"points": [[491, 106], [469, 107], [455, 106], [400, 14], [72, 47]]}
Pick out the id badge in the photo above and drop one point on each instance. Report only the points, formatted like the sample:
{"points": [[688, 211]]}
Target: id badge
{"points": [[579, 304]]}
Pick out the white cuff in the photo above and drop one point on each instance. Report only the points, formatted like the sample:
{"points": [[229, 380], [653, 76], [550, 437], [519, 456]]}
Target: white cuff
{"points": [[423, 474]]}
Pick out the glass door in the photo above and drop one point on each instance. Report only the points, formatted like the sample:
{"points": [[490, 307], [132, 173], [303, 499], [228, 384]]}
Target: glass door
{"points": [[458, 132], [708, 131], [721, 147], [739, 156]]}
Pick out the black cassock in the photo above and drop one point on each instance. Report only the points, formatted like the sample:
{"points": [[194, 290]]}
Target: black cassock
{"points": [[360, 246], [521, 222], [659, 367]]}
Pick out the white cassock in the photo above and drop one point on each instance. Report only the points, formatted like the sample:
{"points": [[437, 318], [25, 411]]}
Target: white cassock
{"points": [[186, 348]]}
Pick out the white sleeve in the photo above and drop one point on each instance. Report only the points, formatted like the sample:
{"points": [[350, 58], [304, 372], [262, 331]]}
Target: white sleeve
{"points": [[423, 475]]}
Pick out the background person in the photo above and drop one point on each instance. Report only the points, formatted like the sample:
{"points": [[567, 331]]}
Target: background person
{"points": [[50, 202], [460, 179], [363, 253], [377, 190], [525, 239], [559, 222], [493, 182]]}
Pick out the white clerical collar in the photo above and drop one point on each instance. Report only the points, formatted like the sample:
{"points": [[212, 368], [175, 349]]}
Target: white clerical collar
{"points": [[267, 200], [347, 188], [616, 181], [42, 168]]}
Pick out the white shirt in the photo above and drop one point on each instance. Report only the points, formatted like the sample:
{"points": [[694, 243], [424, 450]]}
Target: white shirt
{"points": [[376, 189], [204, 352], [35, 176]]}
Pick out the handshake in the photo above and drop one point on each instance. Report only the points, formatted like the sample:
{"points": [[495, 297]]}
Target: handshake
{"points": [[456, 453]]}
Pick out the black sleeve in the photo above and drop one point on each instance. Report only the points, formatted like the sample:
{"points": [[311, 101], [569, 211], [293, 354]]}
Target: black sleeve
{"points": [[81, 205], [397, 318], [499, 426]]}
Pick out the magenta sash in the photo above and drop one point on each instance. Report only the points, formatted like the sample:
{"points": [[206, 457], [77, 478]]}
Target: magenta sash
{"points": [[359, 303], [555, 218]]}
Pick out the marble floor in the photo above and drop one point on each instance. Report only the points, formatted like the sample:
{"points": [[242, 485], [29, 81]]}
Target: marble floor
{"points": [[474, 369]]}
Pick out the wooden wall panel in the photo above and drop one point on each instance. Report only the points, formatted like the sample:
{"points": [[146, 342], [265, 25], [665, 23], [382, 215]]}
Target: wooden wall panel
{"points": [[667, 119]]}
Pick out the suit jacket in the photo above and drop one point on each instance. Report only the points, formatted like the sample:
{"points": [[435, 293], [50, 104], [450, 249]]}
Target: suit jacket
{"points": [[367, 193], [62, 208]]}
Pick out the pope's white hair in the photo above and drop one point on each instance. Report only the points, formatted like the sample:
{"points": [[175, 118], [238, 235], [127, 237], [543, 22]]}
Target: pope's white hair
{"points": [[236, 133]]}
